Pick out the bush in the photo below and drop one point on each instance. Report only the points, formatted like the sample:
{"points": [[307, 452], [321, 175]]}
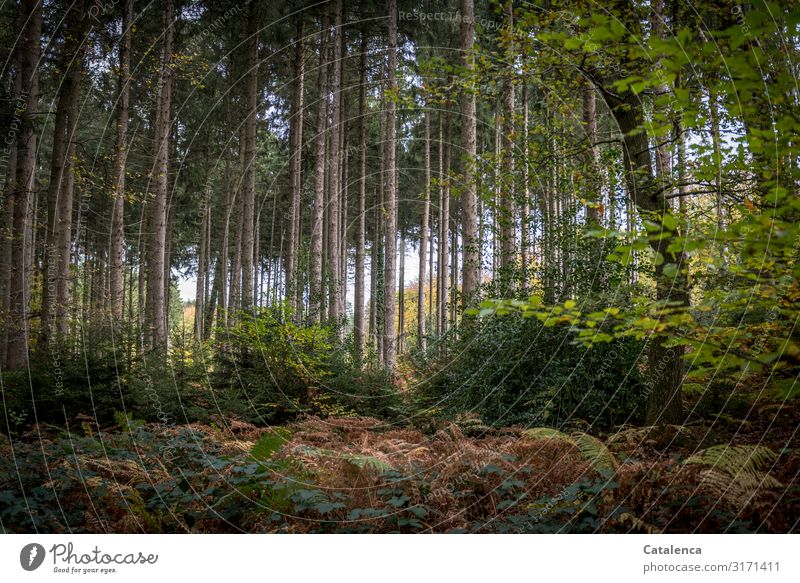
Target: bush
{"points": [[513, 370], [277, 369]]}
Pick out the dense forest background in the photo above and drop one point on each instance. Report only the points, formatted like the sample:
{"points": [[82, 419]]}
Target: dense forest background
{"points": [[482, 266]]}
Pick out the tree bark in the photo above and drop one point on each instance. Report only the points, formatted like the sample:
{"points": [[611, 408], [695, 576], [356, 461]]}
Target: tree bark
{"points": [[249, 166], [28, 54], [390, 204], [664, 403], [506, 211], [335, 160], [423, 236], [525, 210], [358, 300], [316, 284], [469, 203], [295, 167], [117, 238], [55, 268], [156, 298]]}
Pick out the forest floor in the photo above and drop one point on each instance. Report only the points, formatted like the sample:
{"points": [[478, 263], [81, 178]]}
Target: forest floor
{"points": [[360, 474]]}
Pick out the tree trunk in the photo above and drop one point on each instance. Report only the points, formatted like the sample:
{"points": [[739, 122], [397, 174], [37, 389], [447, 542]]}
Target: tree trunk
{"points": [[423, 235], [525, 211], [317, 291], [390, 204], [28, 54], [295, 167], [55, 269], [249, 167], [664, 404], [593, 197], [117, 238], [506, 211], [202, 260], [6, 240], [358, 300], [156, 307], [444, 228], [469, 203], [335, 160]]}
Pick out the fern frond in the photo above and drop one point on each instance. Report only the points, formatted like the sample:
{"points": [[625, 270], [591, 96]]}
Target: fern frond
{"points": [[547, 433], [734, 459], [736, 473], [596, 452], [358, 460], [592, 449]]}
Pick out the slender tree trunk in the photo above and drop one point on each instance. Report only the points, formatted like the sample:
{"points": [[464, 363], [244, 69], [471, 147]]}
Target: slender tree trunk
{"points": [[401, 295], [55, 269], [117, 238], [444, 231], [335, 160], [7, 238], [59, 196], [249, 166], [28, 53], [506, 211], [525, 212], [590, 127], [441, 247], [373, 274], [390, 204], [423, 235], [295, 167], [235, 291], [469, 203], [156, 306], [358, 300], [200, 293], [316, 284]]}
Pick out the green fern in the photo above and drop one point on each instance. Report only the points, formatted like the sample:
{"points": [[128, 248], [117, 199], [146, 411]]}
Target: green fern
{"points": [[547, 433], [736, 473], [596, 452], [591, 448], [359, 460]]}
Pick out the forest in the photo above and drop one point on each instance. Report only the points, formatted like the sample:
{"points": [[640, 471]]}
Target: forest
{"points": [[443, 266]]}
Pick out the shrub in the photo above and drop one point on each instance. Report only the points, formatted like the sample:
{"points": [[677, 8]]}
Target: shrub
{"points": [[277, 369], [513, 370]]}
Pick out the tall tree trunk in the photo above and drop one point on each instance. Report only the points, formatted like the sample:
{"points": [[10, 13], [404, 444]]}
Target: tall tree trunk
{"points": [[249, 167], [423, 235], [401, 294], [317, 290], [525, 210], [7, 238], [441, 248], [156, 298], [444, 230], [55, 269], [664, 404], [506, 211], [202, 260], [335, 160], [28, 54], [235, 289], [358, 300], [590, 127], [390, 204], [295, 167], [469, 203], [117, 238]]}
